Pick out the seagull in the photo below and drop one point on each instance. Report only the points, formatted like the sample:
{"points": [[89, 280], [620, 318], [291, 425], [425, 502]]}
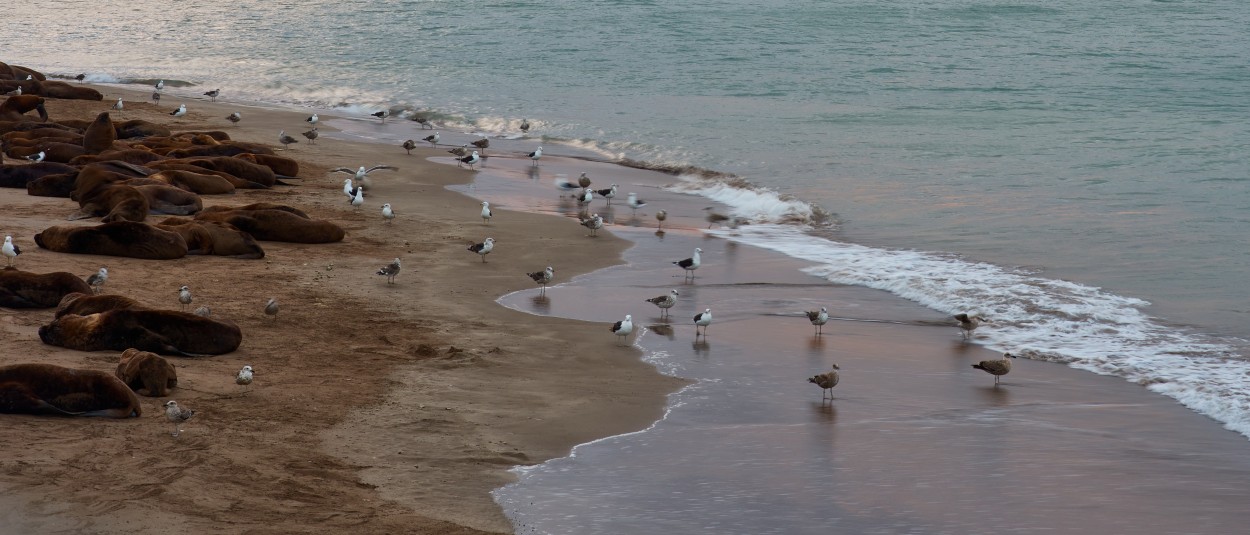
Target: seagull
{"points": [[583, 180], [585, 197], [661, 215], [160, 85], [594, 223], [10, 250], [362, 172], [182, 110], [702, 319], [486, 215], [177, 415], [16, 92], [203, 311], [36, 158], [543, 277], [665, 302], [624, 327], [634, 203], [118, 106], [538, 153], [244, 377], [564, 184], [525, 125], [156, 97], [234, 117], [96, 280], [311, 135], [390, 270], [381, 115], [409, 145], [997, 368], [387, 213], [819, 319], [470, 160], [213, 94], [184, 296], [358, 199], [483, 248], [607, 193], [826, 381], [691, 264], [423, 121], [348, 189], [714, 218], [967, 324], [286, 140], [271, 308], [482, 144], [432, 139], [312, 120], [81, 77], [461, 151]]}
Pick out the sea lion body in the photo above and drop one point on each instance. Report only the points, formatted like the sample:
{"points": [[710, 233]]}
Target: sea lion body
{"points": [[86, 304], [146, 373], [19, 176], [50, 389], [169, 200], [23, 289], [278, 225], [214, 238], [119, 238], [100, 136], [165, 332]]}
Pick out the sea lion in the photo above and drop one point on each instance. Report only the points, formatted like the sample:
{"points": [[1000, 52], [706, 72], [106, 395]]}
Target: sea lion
{"points": [[15, 108], [180, 165], [18, 176], [134, 156], [45, 131], [112, 201], [86, 304], [280, 165], [100, 136], [148, 374], [59, 185], [54, 151], [169, 200], [239, 168], [214, 238], [119, 238], [23, 289], [165, 332], [259, 206], [278, 225], [201, 183], [50, 389], [138, 128]]}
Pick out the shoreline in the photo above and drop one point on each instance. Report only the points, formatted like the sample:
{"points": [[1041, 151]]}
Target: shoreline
{"points": [[557, 402]]}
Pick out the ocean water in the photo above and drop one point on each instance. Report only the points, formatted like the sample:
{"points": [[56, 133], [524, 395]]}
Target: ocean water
{"points": [[1078, 172]]}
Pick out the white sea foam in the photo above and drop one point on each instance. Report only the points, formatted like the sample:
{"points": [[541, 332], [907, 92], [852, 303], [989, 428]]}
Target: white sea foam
{"points": [[1086, 327], [752, 203]]}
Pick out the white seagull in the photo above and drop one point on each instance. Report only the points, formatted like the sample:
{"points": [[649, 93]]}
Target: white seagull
{"points": [[11, 250], [348, 189], [362, 172], [118, 106], [381, 115], [182, 110], [586, 196], [665, 302], [432, 139], [36, 158], [470, 160], [635, 203], [160, 85], [271, 308], [184, 297], [176, 415], [702, 319], [390, 270], [387, 213], [818, 318], [358, 199], [690, 264], [608, 193], [543, 277], [483, 248], [312, 119], [624, 327], [234, 117], [563, 184], [96, 280], [538, 153], [486, 215], [244, 377]]}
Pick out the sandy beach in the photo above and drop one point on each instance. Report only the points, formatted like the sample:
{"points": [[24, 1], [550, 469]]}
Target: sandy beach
{"points": [[362, 416]]}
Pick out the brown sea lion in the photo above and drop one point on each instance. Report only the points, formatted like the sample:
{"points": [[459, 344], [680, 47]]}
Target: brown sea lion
{"points": [[63, 90], [50, 389], [15, 108], [169, 200], [134, 156], [242, 169], [278, 225], [59, 185], [214, 238], [18, 176], [180, 165], [113, 202], [44, 133], [85, 304], [280, 165], [54, 151], [201, 183], [23, 289], [118, 238], [100, 136], [138, 128], [147, 373], [258, 206], [166, 332]]}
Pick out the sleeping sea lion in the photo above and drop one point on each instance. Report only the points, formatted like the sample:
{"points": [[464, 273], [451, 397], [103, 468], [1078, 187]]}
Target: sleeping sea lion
{"points": [[50, 389], [277, 225], [146, 373], [165, 332], [23, 289], [85, 304], [18, 176], [214, 238], [118, 238], [169, 200], [281, 165]]}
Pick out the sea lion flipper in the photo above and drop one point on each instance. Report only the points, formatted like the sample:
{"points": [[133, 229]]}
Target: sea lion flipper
{"points": [[82, 213]]}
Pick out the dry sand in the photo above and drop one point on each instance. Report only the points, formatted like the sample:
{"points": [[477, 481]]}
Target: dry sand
{"points": [[362, 416]]}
